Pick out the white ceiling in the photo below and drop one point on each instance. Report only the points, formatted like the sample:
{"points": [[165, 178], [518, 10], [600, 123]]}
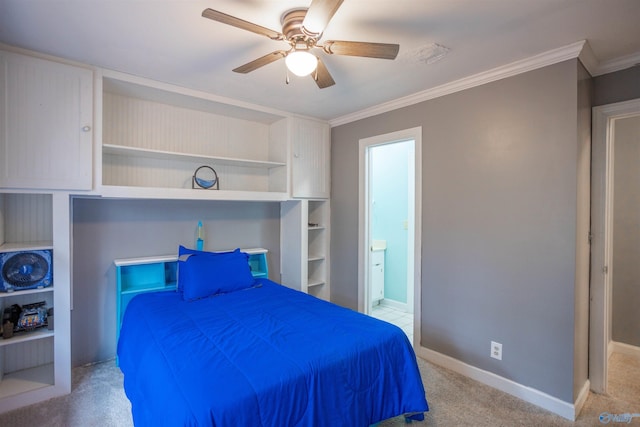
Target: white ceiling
{"points": [[169, 41]]}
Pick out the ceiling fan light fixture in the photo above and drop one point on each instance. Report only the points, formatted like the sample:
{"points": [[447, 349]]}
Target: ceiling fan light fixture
{"points": [[301, 62]]}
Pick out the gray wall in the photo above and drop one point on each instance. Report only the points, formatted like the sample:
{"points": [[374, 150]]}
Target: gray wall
{"points": [[104, 230], [499, 220], [626, 233], [617, 87]]}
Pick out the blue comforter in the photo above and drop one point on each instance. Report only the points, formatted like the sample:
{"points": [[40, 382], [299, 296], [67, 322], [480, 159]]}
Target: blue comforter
{"points": [[264, 356]]}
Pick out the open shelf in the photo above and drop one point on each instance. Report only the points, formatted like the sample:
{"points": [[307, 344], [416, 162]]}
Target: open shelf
{"points": [[154, 136], [26, 380], [163, 193], [170, 155], [25, 246], [151, 288], [25, 336], [26, 292], [315, 283]]}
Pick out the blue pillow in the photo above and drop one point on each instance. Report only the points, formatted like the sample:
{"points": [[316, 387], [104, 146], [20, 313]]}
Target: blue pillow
{"points": [[202, 275], [182, 251]]}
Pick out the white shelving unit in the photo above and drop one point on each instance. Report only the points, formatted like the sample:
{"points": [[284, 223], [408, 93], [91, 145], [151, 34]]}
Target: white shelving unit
{"points": [[36, 365], [304, 237], [35, 207], [109, 134], [318, 248], [154, 136]]}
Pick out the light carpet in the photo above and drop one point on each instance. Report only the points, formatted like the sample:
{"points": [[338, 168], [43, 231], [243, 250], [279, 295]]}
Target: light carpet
{"points": [[98, 399]]}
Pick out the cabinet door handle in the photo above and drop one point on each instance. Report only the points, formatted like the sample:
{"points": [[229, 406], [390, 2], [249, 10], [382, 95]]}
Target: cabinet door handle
{"points": [[86, 128]]}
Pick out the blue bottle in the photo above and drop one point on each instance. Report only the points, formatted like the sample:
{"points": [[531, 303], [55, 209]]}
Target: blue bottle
{"points": [[200, 237]]}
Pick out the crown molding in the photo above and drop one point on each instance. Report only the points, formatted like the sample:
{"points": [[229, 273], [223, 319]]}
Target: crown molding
{"points": [[588, 59], [617, 64], [544, 59]]}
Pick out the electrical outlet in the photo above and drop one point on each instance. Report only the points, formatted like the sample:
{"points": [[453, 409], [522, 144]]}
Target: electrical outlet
{"points": [[496, 350]]}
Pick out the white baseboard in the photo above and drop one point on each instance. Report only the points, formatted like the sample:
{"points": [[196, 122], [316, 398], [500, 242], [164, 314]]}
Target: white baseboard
{"points": [[543, 400], [581, 399], [400, 306], [609, 349], [619, 347]]}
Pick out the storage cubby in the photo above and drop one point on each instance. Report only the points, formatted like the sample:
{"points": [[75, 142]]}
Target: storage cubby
{"points": [[155, 275], [154, 136], [27, 357], [258, 264], [28, 365], [25, 221]]}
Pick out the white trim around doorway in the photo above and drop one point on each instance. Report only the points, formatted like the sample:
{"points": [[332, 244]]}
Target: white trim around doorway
{"points": [[601, 230], [414, 134]]}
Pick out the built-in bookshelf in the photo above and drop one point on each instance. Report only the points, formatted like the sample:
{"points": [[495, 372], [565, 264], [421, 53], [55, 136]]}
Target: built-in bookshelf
{"points": [[304, 237], [35, 364]]}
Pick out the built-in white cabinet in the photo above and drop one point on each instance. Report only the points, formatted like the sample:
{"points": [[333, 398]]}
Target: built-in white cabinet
{"points": [[46, 117], [35, 365], [304, 241], [311, 156], [67, 129], [154, 136]]}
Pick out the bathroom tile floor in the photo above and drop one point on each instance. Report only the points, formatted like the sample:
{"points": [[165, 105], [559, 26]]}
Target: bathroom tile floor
{"points": [[397, 317]]}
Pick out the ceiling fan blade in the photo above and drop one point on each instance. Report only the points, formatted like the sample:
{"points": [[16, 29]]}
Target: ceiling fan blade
{"points": [[261, 62], [371, 50], [321, 76], [318, 16], [241, 23]]}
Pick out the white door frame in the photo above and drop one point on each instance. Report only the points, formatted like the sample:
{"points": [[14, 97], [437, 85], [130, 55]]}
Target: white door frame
{"points": [[411, 238], [603, 152], [414, 134]]}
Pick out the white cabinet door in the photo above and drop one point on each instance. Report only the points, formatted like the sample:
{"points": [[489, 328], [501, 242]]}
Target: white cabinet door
{"points": [[310, 169], [377, 275], [46, 114]]}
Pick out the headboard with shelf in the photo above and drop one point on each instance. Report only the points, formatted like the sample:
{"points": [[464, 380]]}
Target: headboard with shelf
{"points": [[135, 276]]}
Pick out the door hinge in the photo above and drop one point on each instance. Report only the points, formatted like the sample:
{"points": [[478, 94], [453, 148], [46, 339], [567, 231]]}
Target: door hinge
{"points": [[605, 269], [590, 237]]}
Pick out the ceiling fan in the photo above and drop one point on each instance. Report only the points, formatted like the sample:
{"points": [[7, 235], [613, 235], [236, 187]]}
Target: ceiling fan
{"points": [[302, 29]]}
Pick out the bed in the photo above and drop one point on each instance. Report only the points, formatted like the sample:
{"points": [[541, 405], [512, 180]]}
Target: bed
{"points": [[260, 354]]}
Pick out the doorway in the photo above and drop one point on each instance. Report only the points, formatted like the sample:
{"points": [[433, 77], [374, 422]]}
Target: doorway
{"points": [[389, 232], [604, 339]]}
